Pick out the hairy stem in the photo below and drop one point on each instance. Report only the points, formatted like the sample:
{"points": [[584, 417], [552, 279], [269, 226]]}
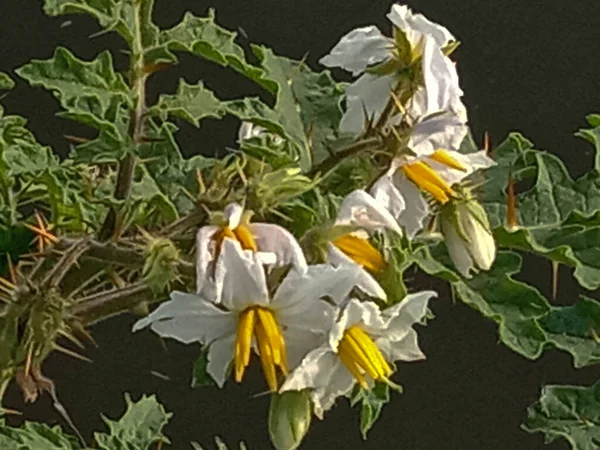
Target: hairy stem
{"points": [[126, 170]]}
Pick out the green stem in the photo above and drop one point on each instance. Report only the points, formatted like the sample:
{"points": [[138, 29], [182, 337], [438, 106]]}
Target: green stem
{"points": [[126, 170]]}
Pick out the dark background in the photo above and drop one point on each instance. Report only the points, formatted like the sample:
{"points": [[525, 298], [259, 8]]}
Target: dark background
{"points": [[525, 65]]}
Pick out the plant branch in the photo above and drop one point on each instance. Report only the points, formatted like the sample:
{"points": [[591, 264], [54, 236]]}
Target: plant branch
{"points": [[332, 161], [64, 264], [97, 307], [126, 171]]}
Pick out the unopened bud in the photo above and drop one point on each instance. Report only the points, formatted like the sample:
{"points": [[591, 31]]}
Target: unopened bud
{"points": [[468, 236], [289, 419]]}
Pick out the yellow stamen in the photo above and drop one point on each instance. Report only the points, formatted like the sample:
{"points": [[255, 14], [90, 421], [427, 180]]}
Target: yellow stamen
{"points": [[361, 356], [241, 234], [245, 331], [361, 252], [371, 350], [444, 157], [245, 238], [428, 180], [259, 322], [350, 364]]}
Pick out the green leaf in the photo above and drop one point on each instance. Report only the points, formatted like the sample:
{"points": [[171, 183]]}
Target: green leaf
{"points": [[557, 216], [90, 92], [200, 376], [570, 412], [140, 426], [36, 436], [112, 15], [513, 305], [203, 37], [6, 82], [372, 402], [190, 103], [576, 329], [592, 135]]}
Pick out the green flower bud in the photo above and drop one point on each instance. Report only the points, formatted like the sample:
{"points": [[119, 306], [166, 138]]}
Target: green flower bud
{"points": [[289, 419]]}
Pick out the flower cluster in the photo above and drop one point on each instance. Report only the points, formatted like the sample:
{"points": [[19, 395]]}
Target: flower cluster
{"points": [[318, 326]]}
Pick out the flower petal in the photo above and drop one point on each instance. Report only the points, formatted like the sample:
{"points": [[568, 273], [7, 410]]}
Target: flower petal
{"points": [[369, 94], [244, 281], [233, 214], [405, 314], [299, 342], [385, 193], [203, 254], [220, 355], [189, 318], [417, 25], [414, 216], [275, 239], [355, 312], [347, 275], [405, 349], [322, 371], [361, 209], [442, 88], [445, 130], [358, 49]]}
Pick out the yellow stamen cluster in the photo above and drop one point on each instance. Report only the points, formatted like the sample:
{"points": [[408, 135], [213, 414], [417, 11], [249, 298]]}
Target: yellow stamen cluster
{"points": [[361, 252], [429, 180], [241, 233], [361, 356], [259, 322]]}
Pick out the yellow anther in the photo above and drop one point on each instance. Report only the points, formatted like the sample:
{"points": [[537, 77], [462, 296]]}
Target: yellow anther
{"points": [[428, 180], [361, 356], [245, 238], [243, 343], [259, 322], [444, 157], [361, 252]]}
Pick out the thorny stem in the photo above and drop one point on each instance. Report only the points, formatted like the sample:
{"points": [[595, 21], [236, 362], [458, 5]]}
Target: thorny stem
{"points": [[101, 306], [332, 161], [68, 260], [126, 171]]}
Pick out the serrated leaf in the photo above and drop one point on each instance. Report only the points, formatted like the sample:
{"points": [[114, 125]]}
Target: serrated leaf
{"points": [[36, 436], [576, 329], [556, 216], [112, 15], [191, 103], [570, 412], [138, 428], [203, 37], [6, 82], [90, 92], [513, 305], [200, 375]]}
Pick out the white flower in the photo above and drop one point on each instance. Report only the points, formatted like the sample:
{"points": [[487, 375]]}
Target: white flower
{"points": [[352, 248], [364, 47], [274, 245], [249, 130], [281, 328], [361, 346], [401, 189], [468, 237]]}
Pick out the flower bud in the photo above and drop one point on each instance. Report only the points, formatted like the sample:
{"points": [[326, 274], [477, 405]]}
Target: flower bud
{"points": [[468, 236], [289, 419]]}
